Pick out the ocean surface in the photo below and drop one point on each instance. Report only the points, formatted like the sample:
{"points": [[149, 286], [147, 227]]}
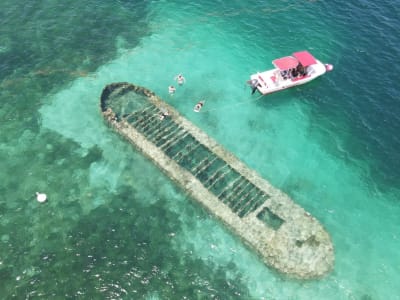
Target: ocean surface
{"points": [[114, 226]]}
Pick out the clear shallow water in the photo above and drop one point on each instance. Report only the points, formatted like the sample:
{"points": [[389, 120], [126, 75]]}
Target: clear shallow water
{"points": [[115, 226]]}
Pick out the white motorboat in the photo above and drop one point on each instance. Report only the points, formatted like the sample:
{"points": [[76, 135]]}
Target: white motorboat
{"points": [[300, 68]]}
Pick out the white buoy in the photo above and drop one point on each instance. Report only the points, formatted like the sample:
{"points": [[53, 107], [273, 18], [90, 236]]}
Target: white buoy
{"points": [[41, 197]]}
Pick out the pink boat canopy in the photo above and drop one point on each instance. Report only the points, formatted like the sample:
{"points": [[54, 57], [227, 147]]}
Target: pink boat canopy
{"points": [[304, 58], [286, 63]]}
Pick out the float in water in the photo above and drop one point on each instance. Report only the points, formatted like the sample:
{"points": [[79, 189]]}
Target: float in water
{"points": [[300, 68], [286, 237], [41, 197]]}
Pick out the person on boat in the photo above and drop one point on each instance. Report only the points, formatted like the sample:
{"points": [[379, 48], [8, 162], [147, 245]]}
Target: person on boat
{"points": [[284, 74], [295, 73], [302, 70], [180, 79], [171, 90], [199, 106]]}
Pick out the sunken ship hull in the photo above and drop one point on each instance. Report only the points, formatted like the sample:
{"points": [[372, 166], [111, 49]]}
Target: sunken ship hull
{"points": [[284, 235]]}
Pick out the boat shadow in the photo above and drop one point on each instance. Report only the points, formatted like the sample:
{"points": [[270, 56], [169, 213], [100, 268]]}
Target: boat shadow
{"points": [[278, 99]]}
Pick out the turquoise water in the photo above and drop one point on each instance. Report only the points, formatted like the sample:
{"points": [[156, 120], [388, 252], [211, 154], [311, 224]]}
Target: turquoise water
{"points": [[114, 225]]}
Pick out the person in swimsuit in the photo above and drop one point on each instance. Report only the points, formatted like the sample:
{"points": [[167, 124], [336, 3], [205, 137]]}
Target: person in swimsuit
{"points": [[171, 90], [163, 114], [180, 79], [198, 106]]}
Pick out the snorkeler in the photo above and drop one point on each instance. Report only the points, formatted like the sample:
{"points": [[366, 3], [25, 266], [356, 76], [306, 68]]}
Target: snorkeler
{"points": [[180, 79], [171, 90], [199, 106], [163, 114]]}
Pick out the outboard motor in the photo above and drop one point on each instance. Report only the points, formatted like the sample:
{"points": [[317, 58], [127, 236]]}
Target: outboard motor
{"points": [[253, 84]]}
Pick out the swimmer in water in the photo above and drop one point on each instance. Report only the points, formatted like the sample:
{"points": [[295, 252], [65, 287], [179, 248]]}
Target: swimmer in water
{"points": [[163, 114], [180, 79], [199, 106], [171, 90]]}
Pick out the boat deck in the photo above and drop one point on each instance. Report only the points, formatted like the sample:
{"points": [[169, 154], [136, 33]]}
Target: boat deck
{"points": [[268, 82], [285, 236]]}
